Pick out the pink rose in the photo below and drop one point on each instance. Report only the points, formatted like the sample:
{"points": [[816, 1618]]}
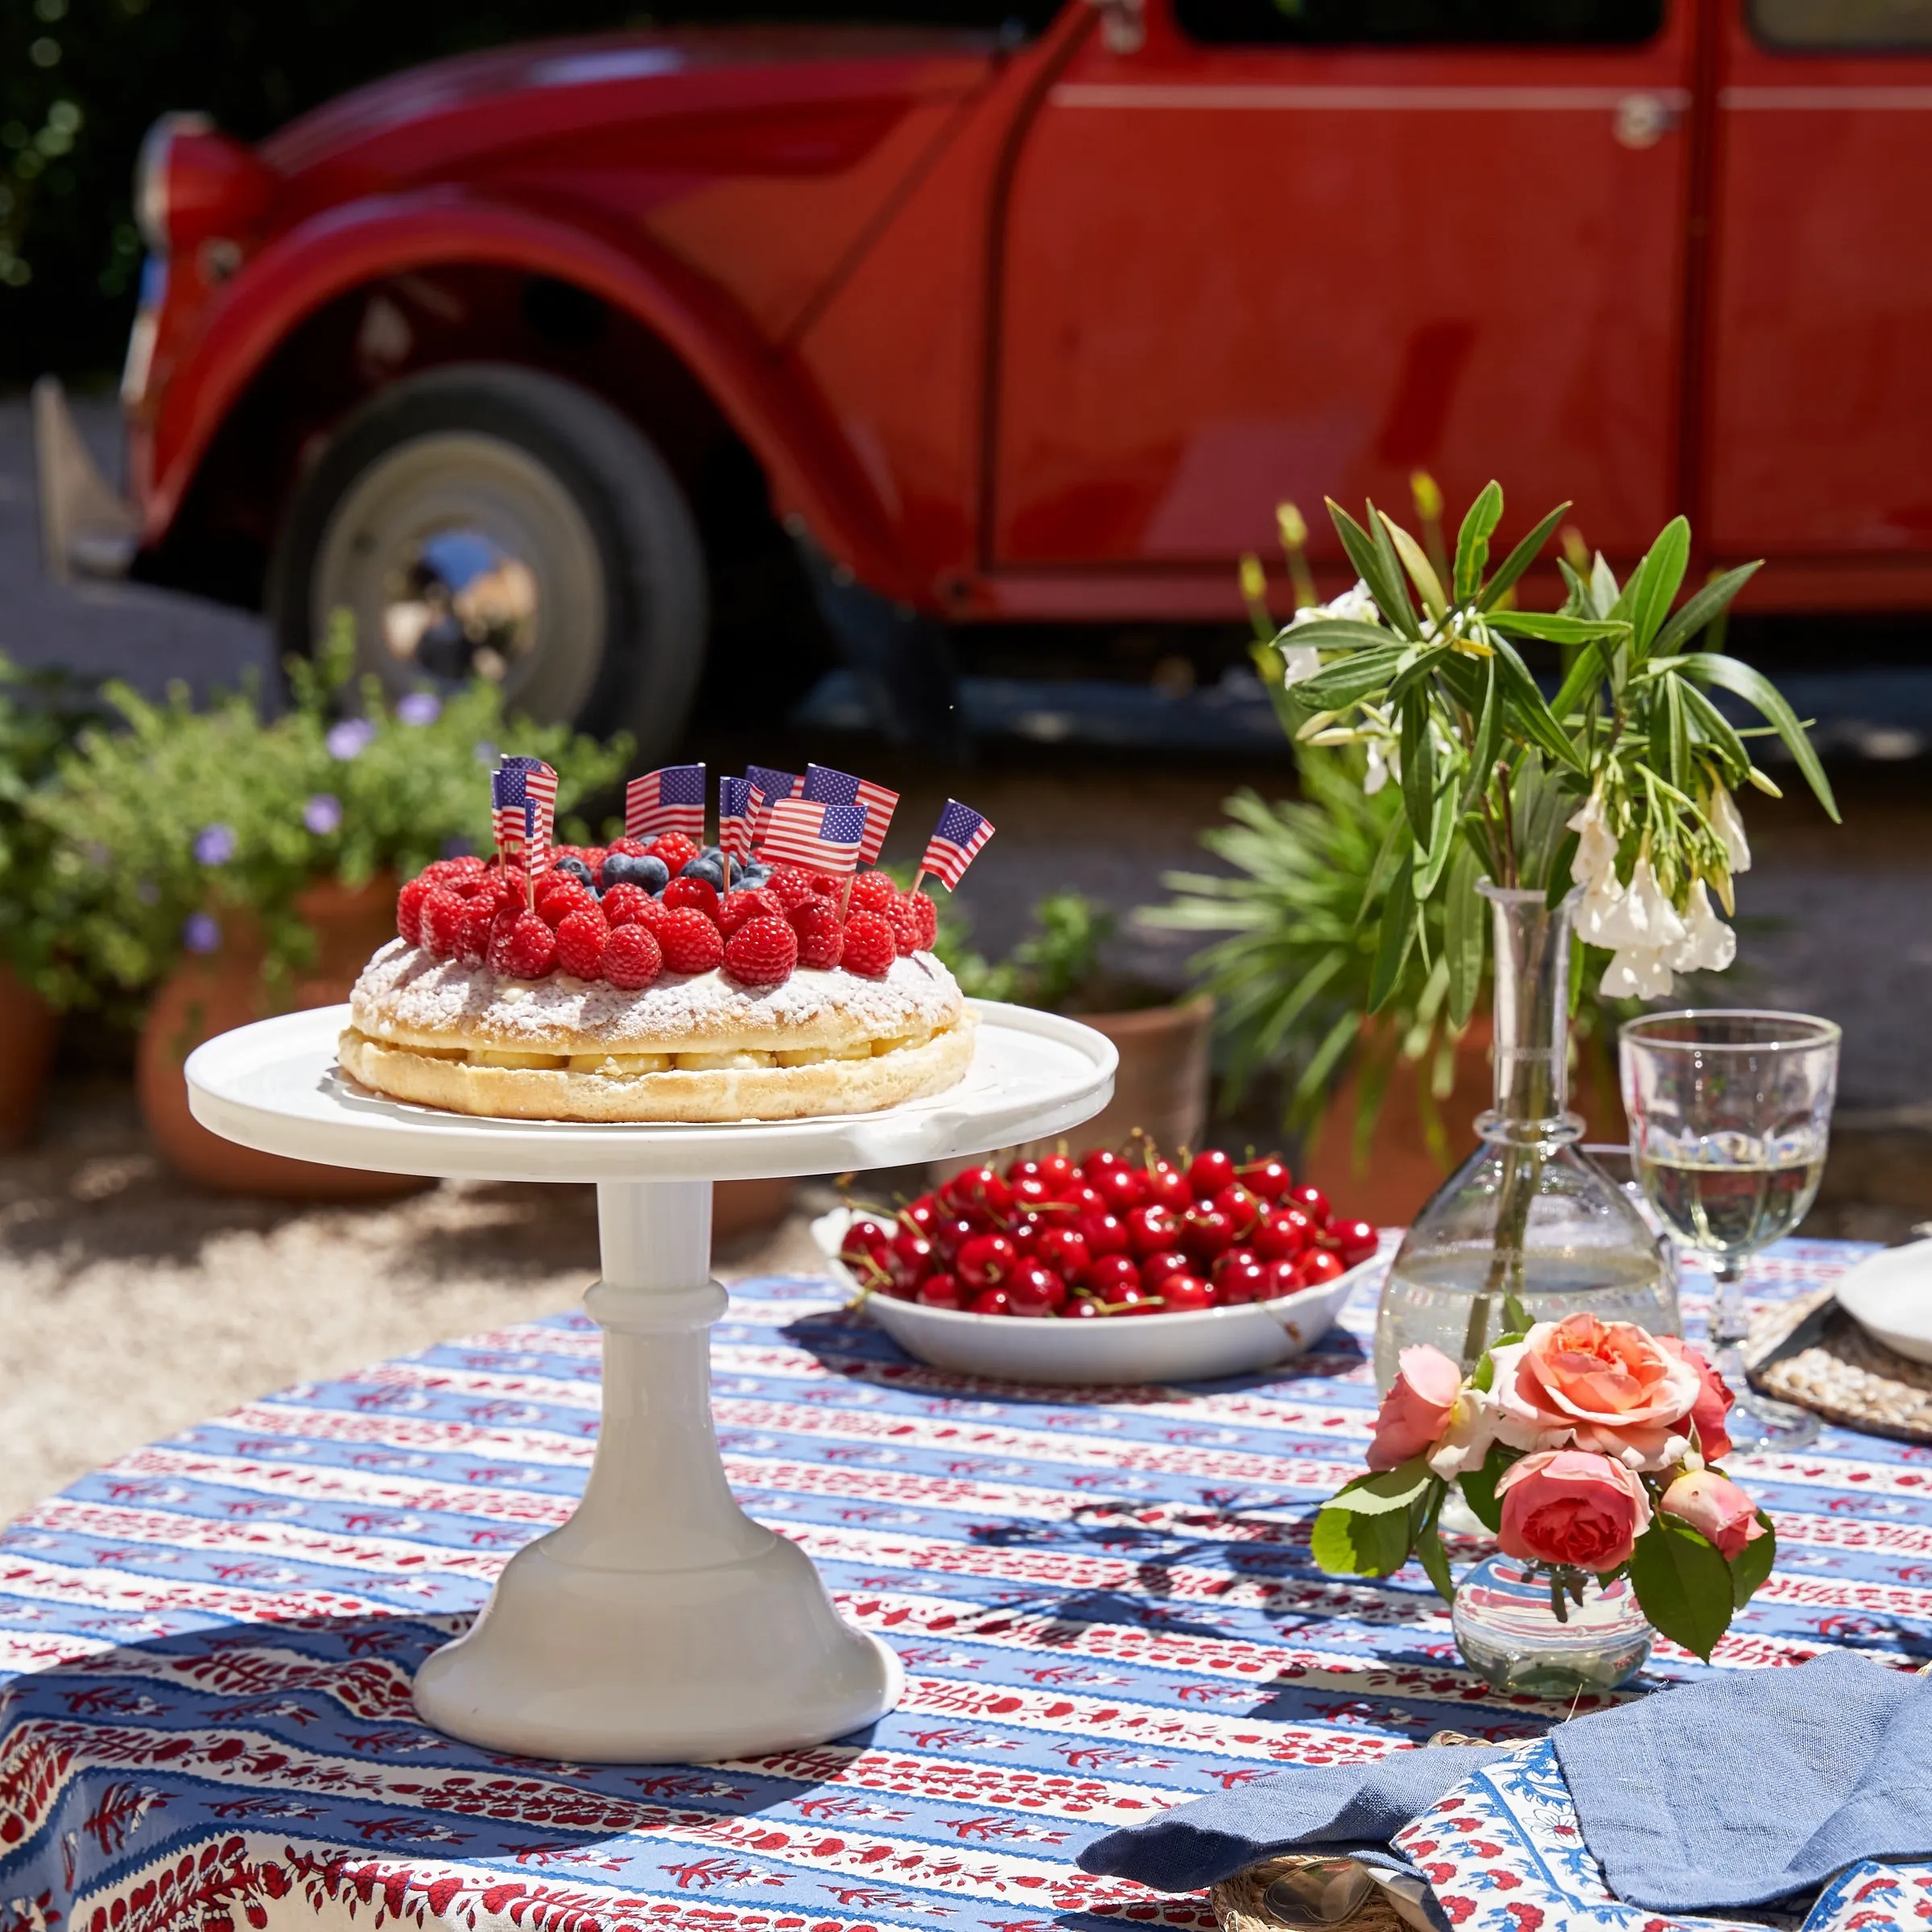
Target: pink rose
{"points": [[1415, 1411], [1713, 1403], [1716, 1508], [1567, 1506], [1594, 1384]]}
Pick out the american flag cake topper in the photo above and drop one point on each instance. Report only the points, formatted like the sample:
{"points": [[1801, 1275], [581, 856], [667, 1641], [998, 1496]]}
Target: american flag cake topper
{"points": [[771, 785], [830, 788], [955, 842], [669, 799], [738, 801], [822, 838], [523, 794]]}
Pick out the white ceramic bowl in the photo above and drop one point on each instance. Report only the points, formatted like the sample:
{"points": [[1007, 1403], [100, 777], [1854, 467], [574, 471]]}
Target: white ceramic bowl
{"points": [[1889, 1295], [1190, 1348]]}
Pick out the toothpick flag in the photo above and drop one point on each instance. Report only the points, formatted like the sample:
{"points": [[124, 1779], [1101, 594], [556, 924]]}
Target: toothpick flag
{"points": [[527, 786], [738, 801], [671, 799], [830, 788], [955, 840], [772, 784], [824, 838]]}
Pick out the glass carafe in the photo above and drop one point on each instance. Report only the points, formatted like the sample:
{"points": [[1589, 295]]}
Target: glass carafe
{"points": [[1528, 1221]]}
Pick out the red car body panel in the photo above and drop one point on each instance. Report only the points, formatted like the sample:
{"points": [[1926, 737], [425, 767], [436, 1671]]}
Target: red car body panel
{"points": [[1049, 332]]}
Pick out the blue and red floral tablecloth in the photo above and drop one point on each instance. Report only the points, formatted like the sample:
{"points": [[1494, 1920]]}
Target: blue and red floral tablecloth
{"points": [[1103, 1601]]}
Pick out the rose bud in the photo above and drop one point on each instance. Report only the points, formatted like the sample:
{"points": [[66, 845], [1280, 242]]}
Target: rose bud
{"points": [[1716, 1508], [1713, 1403]]}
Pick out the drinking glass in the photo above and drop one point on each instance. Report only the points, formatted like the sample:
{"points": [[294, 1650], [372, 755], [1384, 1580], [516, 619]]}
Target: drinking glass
{"points": [[1730, 1112]]}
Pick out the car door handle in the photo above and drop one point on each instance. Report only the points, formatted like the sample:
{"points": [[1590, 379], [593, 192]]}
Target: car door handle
{"points": [[1642, 120]]}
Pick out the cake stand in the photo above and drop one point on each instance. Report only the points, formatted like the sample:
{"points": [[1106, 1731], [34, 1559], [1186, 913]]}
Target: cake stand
{"points": [[660, 1623]]}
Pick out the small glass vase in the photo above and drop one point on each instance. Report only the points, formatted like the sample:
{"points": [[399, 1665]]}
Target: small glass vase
{"points": [[1529, 1217], [1509, 1634]]}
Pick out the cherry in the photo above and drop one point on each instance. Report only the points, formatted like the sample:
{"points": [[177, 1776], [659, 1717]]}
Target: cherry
{"points": [[1122, 1187], [1311, 1201], [1035, 1291], [1083, 1308], [1136, 1301], [1209, 1172], [922, 1214], [1185, 1295], [912, 1258], [1082, 1199], [1056, 1171], [1244, 1279], [1024, 1231], [1099, 1161], [1150, 1229], [1111, 1277], [866, 1249], [1105, 1235], [1284, 1277], [1282, 1236], [939, 1291], [1206, 1232], [985, 1261], [949, 1234], [1021, 1171], [1243, 1209], [1233, 1257], [1270, 1179], [989, 1301], [1065, 1252], [1167, 1187], [1354, 1241], [1318, 1266], [977, 1191], [1030, 1191], [1157, 1267]]}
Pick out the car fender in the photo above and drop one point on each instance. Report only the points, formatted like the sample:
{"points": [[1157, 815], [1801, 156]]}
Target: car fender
{"points": [[813, 472]]}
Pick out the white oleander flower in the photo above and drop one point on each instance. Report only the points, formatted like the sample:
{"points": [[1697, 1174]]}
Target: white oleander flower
{"points": [[1595, 860], [1636, 973], [1709, 945], [1380, 768], [1356, 605], [1729, 823], [1302, 661]]}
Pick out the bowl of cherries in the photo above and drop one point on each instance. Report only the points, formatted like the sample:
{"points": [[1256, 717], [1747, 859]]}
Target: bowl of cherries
{"points": [[1111, 1267]]}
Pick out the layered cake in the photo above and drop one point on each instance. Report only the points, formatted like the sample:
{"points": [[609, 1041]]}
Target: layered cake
{"points": [[630, 983]]}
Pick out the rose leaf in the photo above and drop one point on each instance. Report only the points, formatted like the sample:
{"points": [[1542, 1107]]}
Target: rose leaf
{"points": [[1683, 1584], [1345, 1543], [1479, 1486]]}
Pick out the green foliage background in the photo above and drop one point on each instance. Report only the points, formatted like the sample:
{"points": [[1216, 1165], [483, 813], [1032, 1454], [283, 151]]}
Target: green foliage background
{"points": [[82, 80]]}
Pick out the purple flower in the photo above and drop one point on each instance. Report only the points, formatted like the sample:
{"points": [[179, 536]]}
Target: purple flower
{"points": [[456, 846], [201, 934], [486, 753], [346, 739], [323, 814], [215, 845], [419, 707]]}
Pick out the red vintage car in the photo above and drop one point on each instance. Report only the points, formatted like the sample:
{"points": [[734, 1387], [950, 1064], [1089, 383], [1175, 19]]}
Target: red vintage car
{"points": [[514, 355]]}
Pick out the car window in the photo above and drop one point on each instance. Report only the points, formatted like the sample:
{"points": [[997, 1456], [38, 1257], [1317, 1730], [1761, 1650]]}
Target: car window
{"points": [[1821, 25], [1433, 22]]}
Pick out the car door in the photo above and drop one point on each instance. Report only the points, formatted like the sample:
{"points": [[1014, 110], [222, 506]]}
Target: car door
{"points": [[1293, 248], [1821, 385]]}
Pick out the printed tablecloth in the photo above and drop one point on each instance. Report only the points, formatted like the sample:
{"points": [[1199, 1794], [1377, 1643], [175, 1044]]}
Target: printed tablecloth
{"points": [[1103, 1601]]}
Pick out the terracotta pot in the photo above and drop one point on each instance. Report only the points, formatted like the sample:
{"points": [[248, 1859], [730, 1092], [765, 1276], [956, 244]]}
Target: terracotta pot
{"points": [[1400, 1173], [206, 994], [30, 1029], [1162, 1085], [745, 1206]]}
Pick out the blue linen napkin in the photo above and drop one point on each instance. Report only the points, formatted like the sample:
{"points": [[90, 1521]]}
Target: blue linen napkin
{"points": [[1344, 1809], [1753, 1784], [1745, 1788]]}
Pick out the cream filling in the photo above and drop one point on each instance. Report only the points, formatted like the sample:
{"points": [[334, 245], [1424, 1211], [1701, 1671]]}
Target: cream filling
{"points": [[635, 1065]]}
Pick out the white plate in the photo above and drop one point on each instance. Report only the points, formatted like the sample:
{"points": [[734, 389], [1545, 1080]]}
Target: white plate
{"points": [[1192, 1348], [1889, 1295], [275, 1085]]}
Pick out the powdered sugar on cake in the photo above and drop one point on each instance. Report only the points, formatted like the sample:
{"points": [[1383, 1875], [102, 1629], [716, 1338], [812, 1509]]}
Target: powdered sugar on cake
{"points": [[405, 992]]}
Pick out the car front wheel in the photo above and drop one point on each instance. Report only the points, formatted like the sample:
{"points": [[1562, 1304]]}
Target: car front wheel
{"points": [[492, 522]]}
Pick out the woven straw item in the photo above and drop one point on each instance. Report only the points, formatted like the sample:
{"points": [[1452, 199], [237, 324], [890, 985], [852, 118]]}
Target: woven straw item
{"points": [[1838, 1372], [1237, 1900]]}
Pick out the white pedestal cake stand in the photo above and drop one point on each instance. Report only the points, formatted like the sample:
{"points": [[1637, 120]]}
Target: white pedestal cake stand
{"points": [[660, 1623]]}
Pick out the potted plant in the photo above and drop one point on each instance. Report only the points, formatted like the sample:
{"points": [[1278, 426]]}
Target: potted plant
{"points": [[226, 866], [41, 715], [1608, 806], [1162, 1085]]}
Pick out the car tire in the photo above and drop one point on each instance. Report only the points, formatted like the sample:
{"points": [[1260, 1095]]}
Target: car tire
{"points": [[483, 468]]}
